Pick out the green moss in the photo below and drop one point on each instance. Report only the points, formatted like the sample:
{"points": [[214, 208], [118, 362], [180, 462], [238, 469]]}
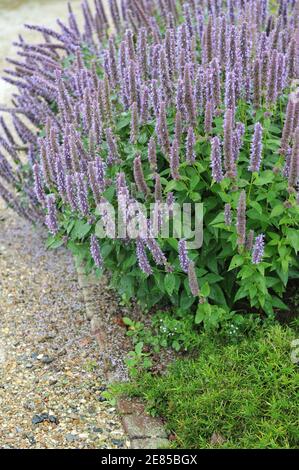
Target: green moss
{"points": [[246, 392]]}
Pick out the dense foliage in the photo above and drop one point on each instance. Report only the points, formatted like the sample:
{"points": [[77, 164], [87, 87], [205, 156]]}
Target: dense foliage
{"points": [[232, 396], [191, 102]]}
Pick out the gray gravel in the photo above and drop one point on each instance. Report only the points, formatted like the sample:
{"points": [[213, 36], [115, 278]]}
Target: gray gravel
{"points": [[51, 379]]}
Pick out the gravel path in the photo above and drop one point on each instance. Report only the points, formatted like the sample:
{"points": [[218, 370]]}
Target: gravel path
{"points": [[50, 375]]}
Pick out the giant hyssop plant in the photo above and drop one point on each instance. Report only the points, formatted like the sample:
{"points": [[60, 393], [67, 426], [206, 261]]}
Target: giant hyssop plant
{"points": [[191, 102]]}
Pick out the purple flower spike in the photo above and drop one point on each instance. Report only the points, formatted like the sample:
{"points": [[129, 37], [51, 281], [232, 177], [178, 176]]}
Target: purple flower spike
{"points": [[156, 251], [272, 79], [294, 162], [162, 130], [216, 160], [175, 160], [82, 197], [144, 105], [113, 156], [38, 186], [142, 258], [96, 191], [178, 126], [256, 149], [190, 154], [228, 215], [258, 249], [249, 240], [158, 188], [288, 126], [189, 96], [100, 173], [192, 277], [95, 252], [134, 123], [71, 192], [139, 176], [229, 160], [51, 218], [152, 154], [60, 177], [183, 256], [208, 117]]}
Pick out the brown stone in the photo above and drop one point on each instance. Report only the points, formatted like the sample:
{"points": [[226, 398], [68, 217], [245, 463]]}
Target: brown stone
{"points": [[217, 439], [129, 407]]}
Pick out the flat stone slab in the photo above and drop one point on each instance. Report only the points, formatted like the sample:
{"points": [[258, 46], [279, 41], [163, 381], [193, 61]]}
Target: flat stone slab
{"points": [[143, 426], [155, 443]]}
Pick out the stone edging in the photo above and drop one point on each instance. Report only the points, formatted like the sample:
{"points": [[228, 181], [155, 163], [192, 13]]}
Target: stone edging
{"points": [[143, 431]]}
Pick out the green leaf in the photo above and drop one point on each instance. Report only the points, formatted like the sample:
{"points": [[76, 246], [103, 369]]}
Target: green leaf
{"points": [[176, 346], [277, 210], [205, 290], [80, 230], [202, 312], [169, 283], [278, 303], [242, 292], [256, 206], [127, 321], [138, 348], [124, 122], [218, 219], [54, 243], [130, 261], [237, 261], [173, 242], [293, 238], [177, 185], [217, 295], [194, 181], [265, 178]]}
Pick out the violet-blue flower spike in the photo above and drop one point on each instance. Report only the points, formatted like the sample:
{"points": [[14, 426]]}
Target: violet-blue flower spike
{"points": [[38, 185], [95, 252], [190, 143], [256, 149], [51, 218], [82, 196], [258, 249], [183, 255], [71, 192], [143, 261], [216, 160], [229, 160]]}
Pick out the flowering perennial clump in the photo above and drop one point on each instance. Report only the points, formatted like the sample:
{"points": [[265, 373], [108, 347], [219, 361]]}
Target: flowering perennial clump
{"points": [[169, 102]]}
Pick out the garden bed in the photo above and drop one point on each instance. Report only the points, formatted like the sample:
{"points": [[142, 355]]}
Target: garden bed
{"points": [[159, 144]]}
